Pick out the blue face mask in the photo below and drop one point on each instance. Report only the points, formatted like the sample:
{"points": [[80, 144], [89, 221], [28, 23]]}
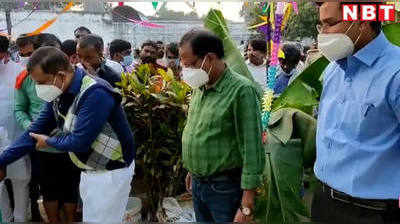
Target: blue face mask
{"points": [[128, 60]]}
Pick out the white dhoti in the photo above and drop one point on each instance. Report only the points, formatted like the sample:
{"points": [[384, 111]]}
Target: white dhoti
{"points": [[19, 173], [5, 207], [105, 194]]}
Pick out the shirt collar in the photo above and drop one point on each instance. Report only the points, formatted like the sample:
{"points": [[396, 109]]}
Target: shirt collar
{"points": [[219, 84], [75, 86], [372, 51], [256, 66]]}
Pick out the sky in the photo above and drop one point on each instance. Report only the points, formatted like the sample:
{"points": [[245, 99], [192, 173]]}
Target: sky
{"points": [[229, 9]]}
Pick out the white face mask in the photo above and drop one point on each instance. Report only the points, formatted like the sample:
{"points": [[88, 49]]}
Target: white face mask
{"points": [[336, 46], [48, 93], [23, 60], [195, 77]]}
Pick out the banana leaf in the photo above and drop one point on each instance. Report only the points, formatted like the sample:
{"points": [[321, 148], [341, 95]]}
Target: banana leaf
{"points": [[392, 32], [304, 91], [290, 148], [215, 22]]}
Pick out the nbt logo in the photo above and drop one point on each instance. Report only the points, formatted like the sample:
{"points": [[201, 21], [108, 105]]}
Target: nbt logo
{"points": [[366, 12]]}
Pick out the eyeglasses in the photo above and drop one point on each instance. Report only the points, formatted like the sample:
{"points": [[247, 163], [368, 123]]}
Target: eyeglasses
{"points": [[321, 28]]}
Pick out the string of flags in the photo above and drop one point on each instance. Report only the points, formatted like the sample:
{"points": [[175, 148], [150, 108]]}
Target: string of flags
{"points": [[50, 22]]}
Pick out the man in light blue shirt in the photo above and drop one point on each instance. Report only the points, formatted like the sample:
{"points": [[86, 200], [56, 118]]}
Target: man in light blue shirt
{"points": [[358, 135]]}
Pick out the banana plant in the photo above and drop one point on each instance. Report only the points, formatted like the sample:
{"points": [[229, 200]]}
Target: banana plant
{"points": [[292, 129]]}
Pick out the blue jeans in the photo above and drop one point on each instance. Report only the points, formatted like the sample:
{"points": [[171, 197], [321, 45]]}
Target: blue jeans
{"points": [[216, 202]]}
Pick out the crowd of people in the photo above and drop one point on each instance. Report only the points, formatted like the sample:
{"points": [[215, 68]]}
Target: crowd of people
{"points": [[65, 138]]}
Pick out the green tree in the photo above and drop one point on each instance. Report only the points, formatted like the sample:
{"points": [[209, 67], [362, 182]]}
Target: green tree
{"points": [[299, 26], [304, 24]]}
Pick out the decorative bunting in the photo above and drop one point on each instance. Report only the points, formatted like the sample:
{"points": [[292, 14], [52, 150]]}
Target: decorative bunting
{"points": [[288, 11], [295, 7], [138, 22], [266, 5], [50, 22], [272, 69], [155, 4]]}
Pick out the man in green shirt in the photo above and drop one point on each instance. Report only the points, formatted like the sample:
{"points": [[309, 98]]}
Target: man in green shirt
{"points": [[222, 143]]}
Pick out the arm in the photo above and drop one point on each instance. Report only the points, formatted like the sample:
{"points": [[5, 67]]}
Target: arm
{"points": [[25, 144], [92, 115], [247, 117], [21, 108]]}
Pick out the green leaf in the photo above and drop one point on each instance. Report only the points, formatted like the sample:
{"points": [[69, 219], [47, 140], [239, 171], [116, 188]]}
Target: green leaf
{"points": [[215, 22], [392, 32], [300, 94], [284, 172]]}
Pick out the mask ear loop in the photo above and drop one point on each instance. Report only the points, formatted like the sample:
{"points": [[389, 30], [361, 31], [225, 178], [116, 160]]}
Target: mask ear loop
{"points": [[204, 60], [349, 28], [54, 82]]}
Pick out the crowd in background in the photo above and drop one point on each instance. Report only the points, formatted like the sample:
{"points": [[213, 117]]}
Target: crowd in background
{"points": [[49, 174]]}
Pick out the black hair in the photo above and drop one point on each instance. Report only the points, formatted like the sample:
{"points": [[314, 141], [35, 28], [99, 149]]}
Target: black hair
{"points": [[375, 25], [118, 46], [259, 45], [188, 36], [92, 40], [173, 48], [82, 28], [4, 44], [50, 59], [47, 40], [292, 53], [24, 40], [203, 42], [150, 43], [69, 47]]}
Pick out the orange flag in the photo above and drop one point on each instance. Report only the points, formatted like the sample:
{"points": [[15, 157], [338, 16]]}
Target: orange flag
{"points": [[50, 22]]}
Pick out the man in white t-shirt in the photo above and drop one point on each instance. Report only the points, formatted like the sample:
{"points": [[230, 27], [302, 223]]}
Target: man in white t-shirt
{"points": [[18, 172], [256, 63]]}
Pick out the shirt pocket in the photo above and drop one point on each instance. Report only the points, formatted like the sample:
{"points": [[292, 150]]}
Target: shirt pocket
{"points": [[371, 116]]}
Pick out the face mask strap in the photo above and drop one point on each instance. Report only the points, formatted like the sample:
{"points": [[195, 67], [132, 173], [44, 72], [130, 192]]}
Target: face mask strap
{"points": [[54, 82], [204, 60], [349, 28], [55, 79]]}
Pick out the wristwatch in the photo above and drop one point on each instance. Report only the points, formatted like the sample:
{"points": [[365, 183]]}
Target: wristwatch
{"points": [[245, 210]]}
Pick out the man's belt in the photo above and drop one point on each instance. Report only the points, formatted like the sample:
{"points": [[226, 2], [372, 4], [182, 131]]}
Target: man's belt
{"points": [[372, 204], [227, 175]]}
